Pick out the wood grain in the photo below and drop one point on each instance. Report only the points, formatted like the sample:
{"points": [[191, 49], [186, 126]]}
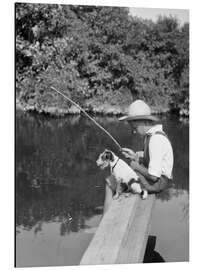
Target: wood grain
{"points": [[123, 231]]}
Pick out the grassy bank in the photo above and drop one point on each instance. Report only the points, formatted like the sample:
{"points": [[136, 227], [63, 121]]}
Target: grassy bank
{"points": [[94, 109]]}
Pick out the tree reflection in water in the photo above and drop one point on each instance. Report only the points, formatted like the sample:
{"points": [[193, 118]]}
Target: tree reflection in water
{"points": [[54, 202]]}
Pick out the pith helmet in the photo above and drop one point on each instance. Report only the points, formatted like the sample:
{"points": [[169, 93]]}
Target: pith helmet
{"points": [[139, 110]]}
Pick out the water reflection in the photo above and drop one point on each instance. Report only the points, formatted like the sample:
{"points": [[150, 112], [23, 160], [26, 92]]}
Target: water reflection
{"points": [[53, 202], [59, 187]]}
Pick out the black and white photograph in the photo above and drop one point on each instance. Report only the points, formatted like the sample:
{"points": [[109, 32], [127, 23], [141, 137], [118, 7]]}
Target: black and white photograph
{"points": [[101, 134]]}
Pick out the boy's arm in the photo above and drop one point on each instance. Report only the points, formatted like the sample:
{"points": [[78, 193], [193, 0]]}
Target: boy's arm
{"points": [[141, 169], [128, 153]]}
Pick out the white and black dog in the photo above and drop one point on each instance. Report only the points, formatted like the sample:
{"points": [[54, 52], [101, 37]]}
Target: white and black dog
{"points": [[126, 178]]}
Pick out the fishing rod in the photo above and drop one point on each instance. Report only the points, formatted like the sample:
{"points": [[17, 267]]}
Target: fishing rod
{"points": [[95, 122]]}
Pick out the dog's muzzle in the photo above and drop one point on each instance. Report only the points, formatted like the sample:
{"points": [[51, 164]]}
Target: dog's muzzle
{"points": [[101, 164]]}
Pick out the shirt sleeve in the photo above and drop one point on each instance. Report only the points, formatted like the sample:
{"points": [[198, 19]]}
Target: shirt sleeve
{"points": [[155, 155]]}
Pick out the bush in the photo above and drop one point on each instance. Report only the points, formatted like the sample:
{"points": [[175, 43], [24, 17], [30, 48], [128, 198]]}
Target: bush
{"points": [[95, 53]]}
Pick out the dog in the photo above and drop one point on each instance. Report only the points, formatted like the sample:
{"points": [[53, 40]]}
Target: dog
{"points": [[126, 178]]}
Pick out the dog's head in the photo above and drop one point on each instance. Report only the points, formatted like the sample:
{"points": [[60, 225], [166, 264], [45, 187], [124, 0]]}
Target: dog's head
{"points": [[105, 159]]}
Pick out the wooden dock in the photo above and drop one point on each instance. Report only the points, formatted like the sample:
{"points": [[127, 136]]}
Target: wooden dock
{"points": [[123, 231]]}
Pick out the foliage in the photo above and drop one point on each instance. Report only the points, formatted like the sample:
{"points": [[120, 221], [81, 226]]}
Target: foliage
{"points": [[92, 53]]}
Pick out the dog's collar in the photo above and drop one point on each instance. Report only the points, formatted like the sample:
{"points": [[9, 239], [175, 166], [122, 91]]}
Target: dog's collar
{"points": [[114, 165]]}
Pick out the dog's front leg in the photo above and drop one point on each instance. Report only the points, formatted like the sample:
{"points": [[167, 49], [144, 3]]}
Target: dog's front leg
{"points": [[118, 189]]}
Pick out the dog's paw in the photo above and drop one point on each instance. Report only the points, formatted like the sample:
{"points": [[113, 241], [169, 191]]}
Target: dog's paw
{"points": [[128, 195], [115, 197], [144, 194]]}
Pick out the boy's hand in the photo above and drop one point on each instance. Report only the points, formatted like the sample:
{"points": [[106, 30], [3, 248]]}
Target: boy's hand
{"points": [[139, 154], [128, 153]]}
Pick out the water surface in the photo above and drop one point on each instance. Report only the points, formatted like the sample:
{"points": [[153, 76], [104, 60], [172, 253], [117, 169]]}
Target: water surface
{"points": [[60, 191]]}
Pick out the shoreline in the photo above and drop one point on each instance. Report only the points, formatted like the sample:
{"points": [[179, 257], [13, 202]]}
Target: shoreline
{"points": [[107, 110]]}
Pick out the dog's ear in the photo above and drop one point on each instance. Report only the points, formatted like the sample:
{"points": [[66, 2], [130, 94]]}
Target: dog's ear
{"points": [[109, 155]]}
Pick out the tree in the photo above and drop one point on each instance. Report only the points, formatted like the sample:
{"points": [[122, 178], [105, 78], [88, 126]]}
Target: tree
{"points": [[92, 52]]}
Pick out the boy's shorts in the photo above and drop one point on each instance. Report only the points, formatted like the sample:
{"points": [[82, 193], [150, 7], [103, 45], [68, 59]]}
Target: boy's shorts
{"points": [[154, 187]]}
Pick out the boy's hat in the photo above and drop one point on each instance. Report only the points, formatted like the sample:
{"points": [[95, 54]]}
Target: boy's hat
{"points": [[139, 110]]}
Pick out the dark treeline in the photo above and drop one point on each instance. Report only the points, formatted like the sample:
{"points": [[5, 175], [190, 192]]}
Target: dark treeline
{"points": [[99, 56]]}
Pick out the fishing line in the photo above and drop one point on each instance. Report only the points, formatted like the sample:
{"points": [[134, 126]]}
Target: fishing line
{"points": [[95, 122]]}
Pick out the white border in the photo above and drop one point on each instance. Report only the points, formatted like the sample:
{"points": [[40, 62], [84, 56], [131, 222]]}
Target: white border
{"points": [[7, 129]]}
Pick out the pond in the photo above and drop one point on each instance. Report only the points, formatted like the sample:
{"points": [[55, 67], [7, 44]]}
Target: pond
{"points": [[60, 190]]}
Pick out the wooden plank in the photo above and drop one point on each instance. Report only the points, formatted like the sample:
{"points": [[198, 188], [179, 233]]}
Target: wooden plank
{"points": [[133, 247], [122, 234]]}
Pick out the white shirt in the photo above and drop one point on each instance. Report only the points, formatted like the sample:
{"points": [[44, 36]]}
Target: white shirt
{"points": [[160, 154]]}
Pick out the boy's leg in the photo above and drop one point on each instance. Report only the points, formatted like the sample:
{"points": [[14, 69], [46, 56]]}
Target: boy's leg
{"points": [[156, 187], [151, 187]]}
